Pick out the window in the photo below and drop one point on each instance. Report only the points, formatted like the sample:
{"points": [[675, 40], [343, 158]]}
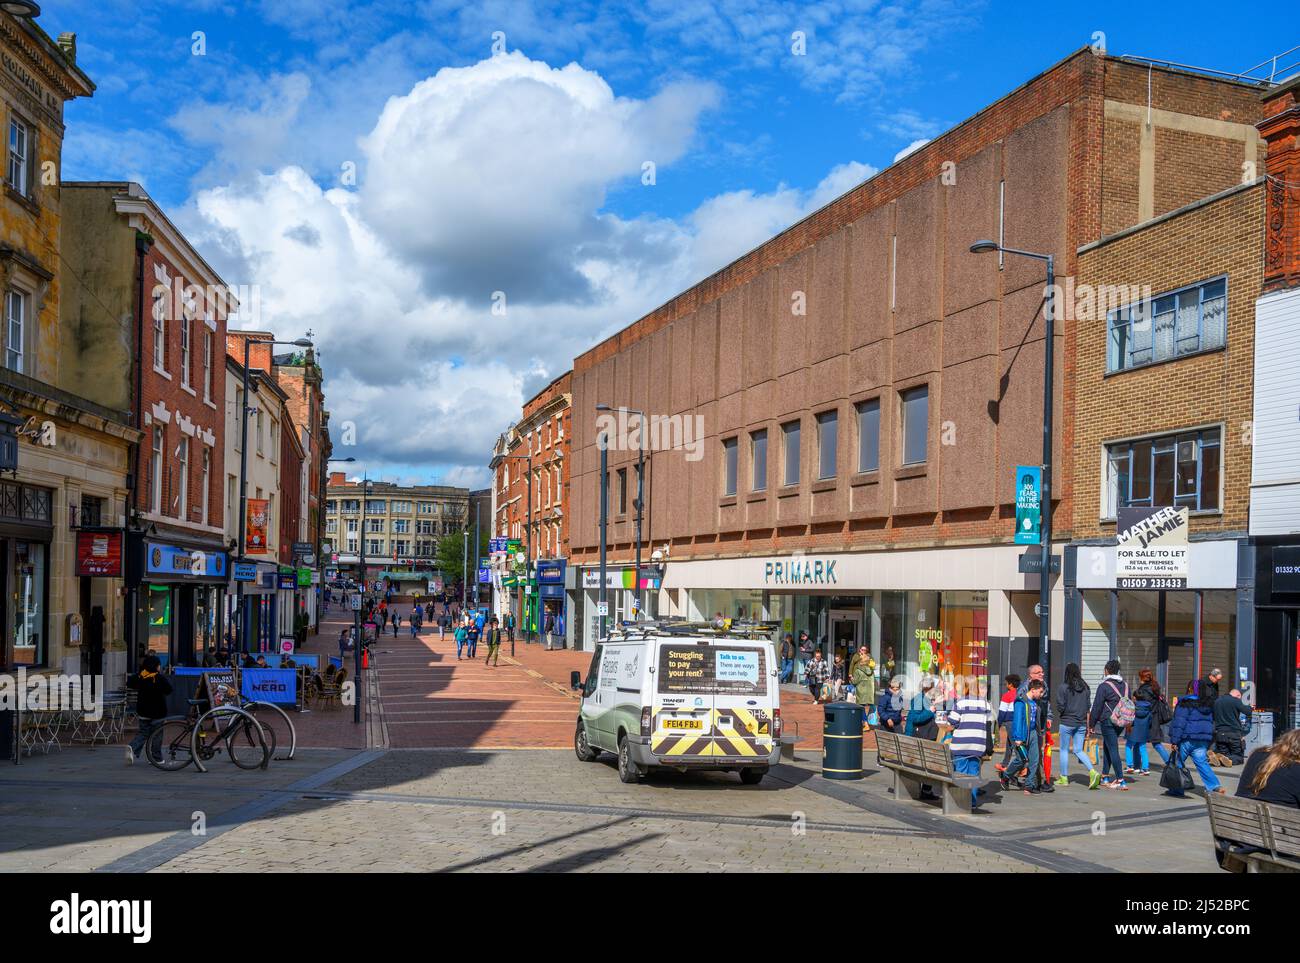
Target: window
{"points": [[869, 435], [1182, 322], [159, 334], [375, 546], [185, 351], [622, 491], [1179, 470], [401, 526], [790, 437], [729, 466], [203, 483], [92, 511], [352, 526], [207, 366], [916, 425], [758, 458], [183, 469], [259, 431], [15, 329], [557, 484], [18, 156], [828, 433], [331, 526], [155, 471], [29, 595], [374, 525]]}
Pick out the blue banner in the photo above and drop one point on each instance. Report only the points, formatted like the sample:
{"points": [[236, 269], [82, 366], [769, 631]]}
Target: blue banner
{"points": [[269, 685], [163, 559], [1029, 505], [245, 571]]}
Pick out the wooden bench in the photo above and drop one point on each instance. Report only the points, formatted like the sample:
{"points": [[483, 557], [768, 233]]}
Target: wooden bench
{"points": [[1254, 837], [920, 761]]}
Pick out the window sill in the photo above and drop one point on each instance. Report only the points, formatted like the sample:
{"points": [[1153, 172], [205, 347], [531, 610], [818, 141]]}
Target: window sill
{"points": [[787, 491], [757, 496], [1156, 364], [865, 478], [210, 403], [188, 390], [825, 485], [910, 471], [728, 501], [163, 372], [23, 200]]}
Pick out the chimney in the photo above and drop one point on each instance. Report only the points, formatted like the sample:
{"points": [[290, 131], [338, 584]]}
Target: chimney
{"points": [[1280, 129], [338, 478]]}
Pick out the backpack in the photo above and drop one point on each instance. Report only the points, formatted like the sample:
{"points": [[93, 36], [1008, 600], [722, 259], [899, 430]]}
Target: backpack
{"points": [[1125, 711]]}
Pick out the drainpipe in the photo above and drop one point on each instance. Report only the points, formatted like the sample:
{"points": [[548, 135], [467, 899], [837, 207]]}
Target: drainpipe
{"points": [[143, 242]]}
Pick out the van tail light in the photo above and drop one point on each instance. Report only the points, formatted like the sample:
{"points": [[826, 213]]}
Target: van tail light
{"points": [[645, 720], [776, 724]]}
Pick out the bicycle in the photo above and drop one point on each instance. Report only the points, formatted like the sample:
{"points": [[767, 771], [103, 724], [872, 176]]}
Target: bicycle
{"points": [[182, 740]]}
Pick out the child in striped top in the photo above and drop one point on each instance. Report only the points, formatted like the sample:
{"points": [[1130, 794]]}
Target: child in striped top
{"points": [[969, 719]]}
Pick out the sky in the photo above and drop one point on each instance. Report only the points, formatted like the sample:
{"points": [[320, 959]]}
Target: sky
{"points": [[457, 199]]}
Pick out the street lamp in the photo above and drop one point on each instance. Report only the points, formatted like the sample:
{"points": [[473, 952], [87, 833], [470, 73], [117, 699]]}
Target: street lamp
{"points": [[1044, 578], [356, 618], [640, 495], [21, 8], [243, 479]]}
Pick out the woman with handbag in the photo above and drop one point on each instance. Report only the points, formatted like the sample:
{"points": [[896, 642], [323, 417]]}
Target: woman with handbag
{"points": [[1151, 714], [1192, 734]]}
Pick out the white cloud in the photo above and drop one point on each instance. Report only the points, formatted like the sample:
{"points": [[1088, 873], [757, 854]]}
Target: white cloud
{"points": [[911, 148]]}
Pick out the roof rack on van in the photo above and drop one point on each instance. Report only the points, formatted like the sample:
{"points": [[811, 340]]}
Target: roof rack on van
{"points": [[677, 625]]}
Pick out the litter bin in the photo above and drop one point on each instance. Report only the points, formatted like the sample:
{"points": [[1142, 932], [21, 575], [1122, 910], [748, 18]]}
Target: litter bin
{"points": [[1261, 731], [842, 741]]}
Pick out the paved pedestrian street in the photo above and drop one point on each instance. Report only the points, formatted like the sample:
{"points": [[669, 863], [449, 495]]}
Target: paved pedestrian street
{"points": [[477, 774]]}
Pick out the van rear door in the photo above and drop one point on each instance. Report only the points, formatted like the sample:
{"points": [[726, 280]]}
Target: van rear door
{"points": [[742, 701], [682, 704]]}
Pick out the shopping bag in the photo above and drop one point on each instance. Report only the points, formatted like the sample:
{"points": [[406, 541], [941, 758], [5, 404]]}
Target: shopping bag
{"points": [[1175, 778], [1092, 748]]}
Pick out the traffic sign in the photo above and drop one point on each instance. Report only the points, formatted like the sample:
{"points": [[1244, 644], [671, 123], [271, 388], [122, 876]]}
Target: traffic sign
{"points": [[602, 608], [355, 602]]}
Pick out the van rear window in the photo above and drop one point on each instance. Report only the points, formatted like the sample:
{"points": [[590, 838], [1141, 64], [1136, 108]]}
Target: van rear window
{"points": [[713, 669]]}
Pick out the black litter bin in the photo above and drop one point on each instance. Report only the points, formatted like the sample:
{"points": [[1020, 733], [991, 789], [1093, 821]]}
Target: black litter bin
{"points": [[842, 741]]}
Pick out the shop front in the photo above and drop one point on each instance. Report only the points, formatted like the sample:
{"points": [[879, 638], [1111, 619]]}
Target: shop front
{"points": [[180, 597], [1180, 614], [620, 596], [552, 612], [26, 535], [1277, 632], [261, 584], [919, 613]]}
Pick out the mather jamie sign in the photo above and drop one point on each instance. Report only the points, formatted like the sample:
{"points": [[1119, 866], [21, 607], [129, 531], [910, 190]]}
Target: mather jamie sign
{"points": [[800, 571], [1151, 548]]}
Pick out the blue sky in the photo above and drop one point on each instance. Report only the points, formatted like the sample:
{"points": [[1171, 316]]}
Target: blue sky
{"points": [[523, 175]]}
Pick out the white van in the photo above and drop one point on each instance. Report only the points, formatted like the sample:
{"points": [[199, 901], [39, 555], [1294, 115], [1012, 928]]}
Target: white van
{"points": [[683, 696]]}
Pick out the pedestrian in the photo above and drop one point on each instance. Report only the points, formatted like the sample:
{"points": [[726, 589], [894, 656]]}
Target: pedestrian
{"points": [[1192, 734], [461, 638], [1006, 711], [345, 643], [920, 716], [787, 658], [862, 673], [889, 707], [415, 625], [1272, 773], [806, 649], [397, 621], [1149, 707], [1073, 697], [471, 637], [1209, 687], [839, 676], [1231, 726], [152, 688], [1025, 731], [1112, 711], [493, 638], [815, 675], [969, 719], [887, 665]]}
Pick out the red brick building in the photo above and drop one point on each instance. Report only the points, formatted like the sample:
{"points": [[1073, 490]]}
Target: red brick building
{"points": [[170, 338], [836, 417]]}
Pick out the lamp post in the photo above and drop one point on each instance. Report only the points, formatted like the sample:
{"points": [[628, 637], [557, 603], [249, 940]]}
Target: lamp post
{"points": [[1045, 577], [640, 494], [245, 410], [528, 538], [356, 615]]}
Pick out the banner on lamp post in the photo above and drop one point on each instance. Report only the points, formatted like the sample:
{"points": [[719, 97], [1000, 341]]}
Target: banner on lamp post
{"points": [[259, 512], [1029, 505]]}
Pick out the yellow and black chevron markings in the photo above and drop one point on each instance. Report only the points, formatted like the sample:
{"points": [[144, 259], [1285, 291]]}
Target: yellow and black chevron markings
{"points": [[711, 732]]}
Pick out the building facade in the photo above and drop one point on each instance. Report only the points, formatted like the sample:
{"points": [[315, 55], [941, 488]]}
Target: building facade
{"points": [[834, 421], [531, 460], [400, 525]]}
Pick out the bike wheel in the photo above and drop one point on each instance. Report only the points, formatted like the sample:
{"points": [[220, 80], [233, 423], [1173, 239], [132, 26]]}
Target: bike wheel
{"points": [[247, 743], [168, 746], [279, 728]]}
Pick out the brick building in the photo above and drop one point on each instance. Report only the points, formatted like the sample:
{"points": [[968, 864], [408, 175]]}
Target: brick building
{"points": [[543, 431], [159, 346], [836, 417]]}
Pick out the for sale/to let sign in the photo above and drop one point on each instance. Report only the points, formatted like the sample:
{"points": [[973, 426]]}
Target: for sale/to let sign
{"points": [[1151, 548]]}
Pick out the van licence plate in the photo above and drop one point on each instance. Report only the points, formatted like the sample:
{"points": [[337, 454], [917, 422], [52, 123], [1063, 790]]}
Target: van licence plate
{"points": [[683, 723]]}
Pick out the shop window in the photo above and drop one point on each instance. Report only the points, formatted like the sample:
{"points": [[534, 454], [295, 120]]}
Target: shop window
{"points": [[1180, 322], [916, 425], [29, 603], [1096, 637], [869, 435], [1137, 634], [1179, 470], [1219, 634], [828, 436], [728, 466], [159, 611], [758, 459], [790, 438]]}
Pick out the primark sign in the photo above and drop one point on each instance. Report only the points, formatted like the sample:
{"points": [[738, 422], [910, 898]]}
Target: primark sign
{"points": [[800, 571]]}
